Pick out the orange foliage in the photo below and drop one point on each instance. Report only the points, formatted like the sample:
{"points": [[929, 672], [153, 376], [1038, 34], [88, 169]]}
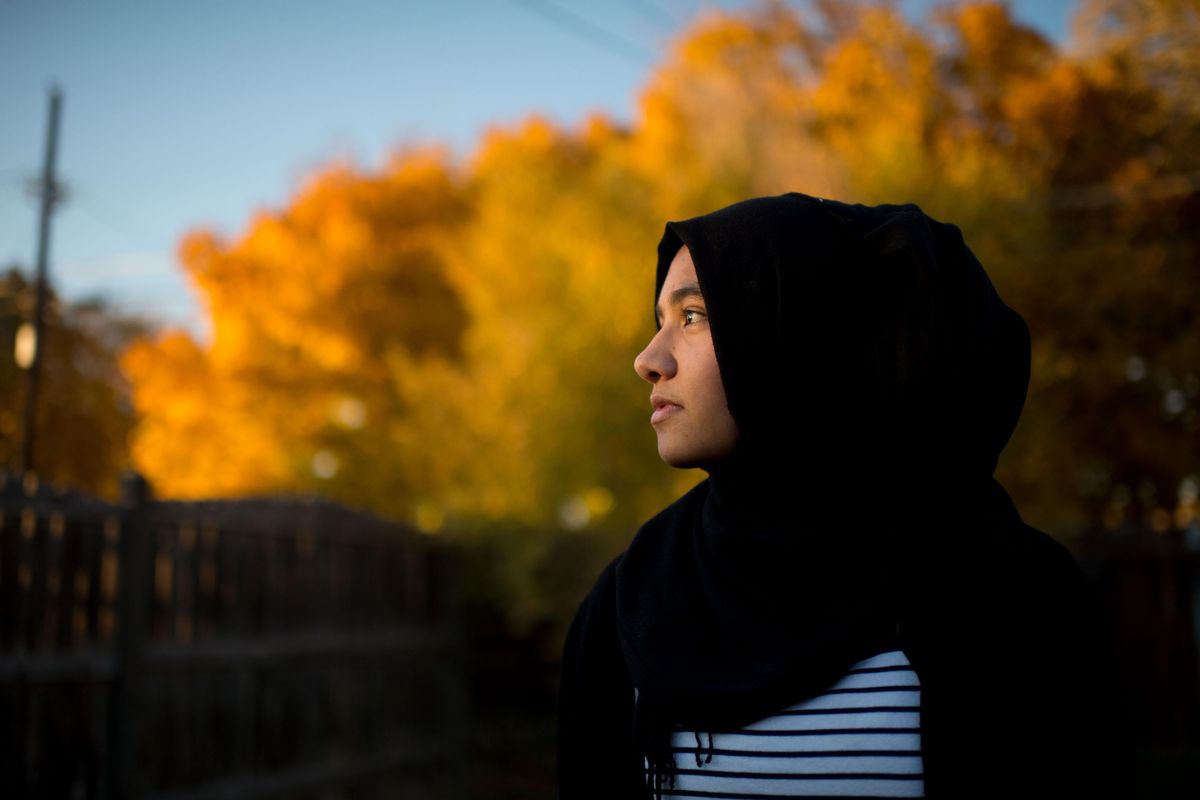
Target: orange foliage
{"points": [[304, 315], [460, 342]]}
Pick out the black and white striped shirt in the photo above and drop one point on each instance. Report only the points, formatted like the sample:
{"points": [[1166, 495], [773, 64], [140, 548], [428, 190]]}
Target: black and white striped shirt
{"points": [[861, 738]]}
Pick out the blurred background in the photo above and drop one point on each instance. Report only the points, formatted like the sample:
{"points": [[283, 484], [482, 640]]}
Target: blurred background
{"points": [[324, 418]]}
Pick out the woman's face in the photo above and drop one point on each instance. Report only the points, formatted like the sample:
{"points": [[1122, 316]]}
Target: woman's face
{"points": [[690, 416]]}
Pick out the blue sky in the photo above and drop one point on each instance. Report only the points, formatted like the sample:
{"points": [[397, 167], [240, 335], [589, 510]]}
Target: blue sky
{"points": [[185, 114]]}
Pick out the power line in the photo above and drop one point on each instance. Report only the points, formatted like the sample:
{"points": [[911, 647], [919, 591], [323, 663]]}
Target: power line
{"points": [[96, 207], [104, 212], [653, 13], [578, 26]]}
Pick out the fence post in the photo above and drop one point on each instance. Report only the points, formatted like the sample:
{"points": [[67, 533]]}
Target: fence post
{"points": [[450, 615], [135, 552]]}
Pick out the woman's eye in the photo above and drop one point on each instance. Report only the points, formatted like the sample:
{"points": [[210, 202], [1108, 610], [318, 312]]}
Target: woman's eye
{"points": [[691, 311]]}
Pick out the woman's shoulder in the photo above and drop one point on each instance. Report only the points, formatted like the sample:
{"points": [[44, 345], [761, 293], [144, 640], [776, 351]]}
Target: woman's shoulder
{"points": [[1033, 597], [1021, 556], [606, 581], [595, 681], [596, 610], [1044, 563]]}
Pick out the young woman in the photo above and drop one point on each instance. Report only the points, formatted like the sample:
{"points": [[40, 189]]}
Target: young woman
{"points": [[849, 604]]}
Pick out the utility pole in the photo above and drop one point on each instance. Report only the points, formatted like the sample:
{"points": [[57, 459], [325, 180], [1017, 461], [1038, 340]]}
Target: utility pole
{"points": [[49, 192]]}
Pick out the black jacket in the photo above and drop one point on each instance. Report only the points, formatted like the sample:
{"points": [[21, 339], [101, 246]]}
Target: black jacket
{"points": [[1018, 691]]}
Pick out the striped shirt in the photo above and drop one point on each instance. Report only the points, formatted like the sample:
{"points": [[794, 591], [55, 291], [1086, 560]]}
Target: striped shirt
{"points": [[861, 738]]}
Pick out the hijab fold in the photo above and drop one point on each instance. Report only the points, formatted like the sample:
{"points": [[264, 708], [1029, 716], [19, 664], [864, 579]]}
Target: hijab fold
{"points": [[875, 376]]}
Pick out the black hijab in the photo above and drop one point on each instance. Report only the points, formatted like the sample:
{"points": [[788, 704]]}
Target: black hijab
{"points": [[875, 375]]}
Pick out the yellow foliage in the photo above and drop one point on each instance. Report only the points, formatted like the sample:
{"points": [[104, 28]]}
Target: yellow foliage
{"points": [[459, 340], [303, 307], [198, 436]]}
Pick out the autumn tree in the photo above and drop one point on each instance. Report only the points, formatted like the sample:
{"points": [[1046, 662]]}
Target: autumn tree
{"points": [[1118, 284], [309, 309], [454, 344], [1068, 169], [84, 414]]}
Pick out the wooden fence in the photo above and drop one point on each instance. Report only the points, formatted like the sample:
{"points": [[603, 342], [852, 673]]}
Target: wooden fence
{"points": [[1149, 584], [224, 649]]}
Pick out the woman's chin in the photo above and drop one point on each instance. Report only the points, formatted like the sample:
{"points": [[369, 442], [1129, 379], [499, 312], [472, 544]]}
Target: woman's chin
{"points": [[681, 459], [673, 458]]}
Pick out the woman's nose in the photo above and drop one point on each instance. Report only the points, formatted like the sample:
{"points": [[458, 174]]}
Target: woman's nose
{"points": [[654, 362]]}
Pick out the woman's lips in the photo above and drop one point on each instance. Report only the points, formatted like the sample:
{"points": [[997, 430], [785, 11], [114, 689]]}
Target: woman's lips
{"points": [[664, 411]]}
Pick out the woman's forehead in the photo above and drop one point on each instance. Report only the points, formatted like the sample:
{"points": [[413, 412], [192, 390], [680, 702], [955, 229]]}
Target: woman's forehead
{"points": [[682, 263]]}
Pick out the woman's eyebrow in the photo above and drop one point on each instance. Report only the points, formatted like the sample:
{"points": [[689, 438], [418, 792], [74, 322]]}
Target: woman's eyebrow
{"points": [[677, 296]]}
